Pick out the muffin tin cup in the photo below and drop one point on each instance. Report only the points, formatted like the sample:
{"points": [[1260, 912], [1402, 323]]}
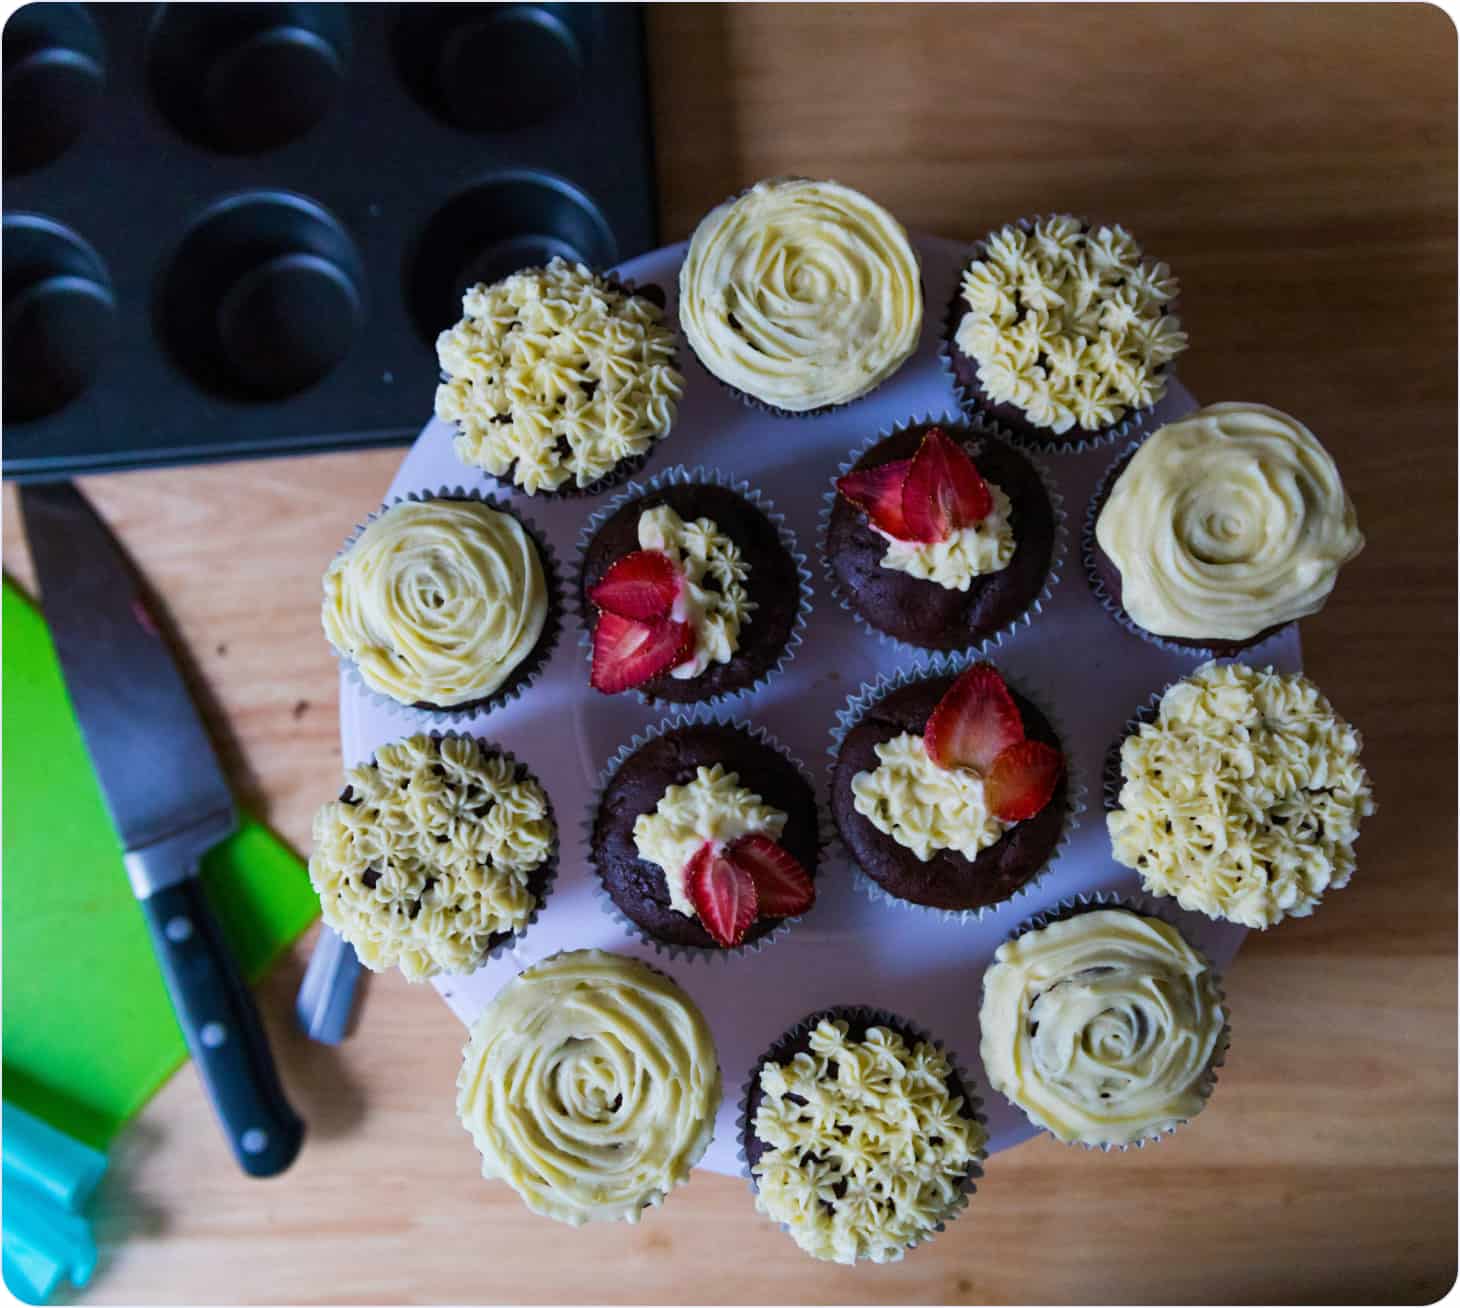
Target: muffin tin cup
{"points": [[1136, 421], [697, 715], [521, 676], [1143, 906], [942, 666], [880, 1017], [696, 476], [1058, 548]]}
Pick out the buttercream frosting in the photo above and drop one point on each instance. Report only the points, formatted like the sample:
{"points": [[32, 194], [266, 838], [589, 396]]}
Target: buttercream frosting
{"points": [[437, 601], [1101, 1027], [590, 1086], [986, 546], [874, 1154], [1243, 798], [1226, 523], [555, 375], [1069, 325], [801, 293], [428, 854]]}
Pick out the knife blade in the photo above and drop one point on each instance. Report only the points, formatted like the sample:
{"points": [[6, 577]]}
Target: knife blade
{"points": [[169, 801]]}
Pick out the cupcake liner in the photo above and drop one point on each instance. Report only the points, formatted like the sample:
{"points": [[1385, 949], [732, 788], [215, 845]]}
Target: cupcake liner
{"points": [[526, 672], [1135, 422], [1144, 906], [909, 1030], [871, 693], [698, 715], [679, 475], [994, 639]]}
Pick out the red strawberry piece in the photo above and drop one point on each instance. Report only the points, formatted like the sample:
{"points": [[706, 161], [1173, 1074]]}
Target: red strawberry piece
{"points": [[974, 722], [723, 894], [627, 653], [878, 493], [1022, 780], [641, 585], [782, 886], [943, 491]]}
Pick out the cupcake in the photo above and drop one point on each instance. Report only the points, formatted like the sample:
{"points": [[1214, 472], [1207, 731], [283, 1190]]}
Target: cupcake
{"points": [[801, 295], [447, 604], [705, 836], [690, 590], [950, 791], [1241, 797], [860, 1135], [1103, 1024], [1062, 332], [941, 537], [590, 1086], [558, 380], [437, 852], [1220, 529]]}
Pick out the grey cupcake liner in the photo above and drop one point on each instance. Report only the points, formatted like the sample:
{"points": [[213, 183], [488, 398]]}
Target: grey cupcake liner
{"points": [[994, 639], [872, 693], [698, 715], [679, 475], [910, 1031], [526, 672], [1143, 906], [1135, 422]]}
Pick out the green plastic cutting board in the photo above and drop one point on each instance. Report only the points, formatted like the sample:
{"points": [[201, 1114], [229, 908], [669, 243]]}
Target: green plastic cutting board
{"points": [[89, 1034]]}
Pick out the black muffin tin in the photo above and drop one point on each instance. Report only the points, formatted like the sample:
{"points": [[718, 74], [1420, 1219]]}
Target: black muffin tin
{"points": [[238, 229]]}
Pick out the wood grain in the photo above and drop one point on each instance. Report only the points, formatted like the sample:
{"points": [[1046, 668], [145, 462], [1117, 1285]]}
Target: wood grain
{"points": [[1297, 165]]}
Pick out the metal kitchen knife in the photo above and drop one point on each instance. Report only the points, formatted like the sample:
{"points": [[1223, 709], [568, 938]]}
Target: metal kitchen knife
{"points": [[169, 802]]}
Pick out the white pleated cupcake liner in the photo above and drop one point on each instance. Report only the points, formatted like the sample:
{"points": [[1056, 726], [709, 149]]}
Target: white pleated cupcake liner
{"points": [[872, 693], [699, 475], [700, 715], [913, 1033], [1136, 421], [537, 657], [1143, 906], [1058, 548]]}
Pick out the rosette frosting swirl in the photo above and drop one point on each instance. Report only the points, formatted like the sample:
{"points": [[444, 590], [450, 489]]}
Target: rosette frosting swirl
{"points": [[590, 1086], [801, 293]]}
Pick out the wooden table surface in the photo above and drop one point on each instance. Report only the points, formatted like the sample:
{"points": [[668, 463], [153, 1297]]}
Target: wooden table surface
{"points": [[1297, 166]]}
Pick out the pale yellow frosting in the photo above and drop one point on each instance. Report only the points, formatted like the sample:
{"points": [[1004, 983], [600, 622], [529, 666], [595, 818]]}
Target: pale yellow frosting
{"points": [[437, 601], [1226, 523], [969, 552], [1101, 1027], [590, 1086], [801, 293], [923, 807], [555, 375], [714, 806], [1243, 798], [701, 552], [429, 854], [1068, 325], [884, 1129]]}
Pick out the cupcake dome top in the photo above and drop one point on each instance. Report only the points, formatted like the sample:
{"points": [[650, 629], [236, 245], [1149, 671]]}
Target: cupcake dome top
{"points": [[801, 294]]}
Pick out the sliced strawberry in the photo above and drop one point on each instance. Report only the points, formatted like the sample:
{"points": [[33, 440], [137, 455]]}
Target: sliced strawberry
{"points": [[974, 722], [722, 893], [1022, 780], [878, 493], [943, 491], [640, 585], [627, 653], [782, 887]]}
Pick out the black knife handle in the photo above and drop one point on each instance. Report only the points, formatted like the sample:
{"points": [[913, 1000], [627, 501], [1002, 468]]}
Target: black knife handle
{"points": [[217, 1014]]}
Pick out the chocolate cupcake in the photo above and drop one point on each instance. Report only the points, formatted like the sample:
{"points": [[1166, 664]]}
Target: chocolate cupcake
{"points": [[942, 537], [705, 836], [690, 589], [950, 789]]}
